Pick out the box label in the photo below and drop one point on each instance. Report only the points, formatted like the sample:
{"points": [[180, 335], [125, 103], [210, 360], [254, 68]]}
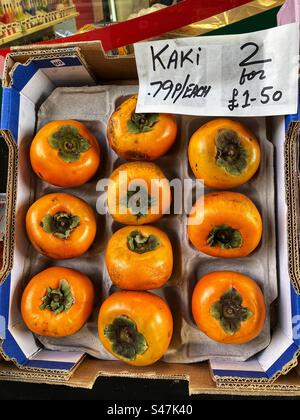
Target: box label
{"points": [[235, 75]]}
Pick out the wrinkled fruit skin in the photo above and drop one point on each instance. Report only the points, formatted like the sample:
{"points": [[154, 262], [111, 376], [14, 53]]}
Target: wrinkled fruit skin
{"points": [[146, 146], [203, 152], [48, 244], [48, 165], [230, 209], [152, 317], [129, 270], [209, 290], [47, 323]]}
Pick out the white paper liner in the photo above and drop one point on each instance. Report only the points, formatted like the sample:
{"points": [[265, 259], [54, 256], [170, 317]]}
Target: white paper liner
{"points": [[93, 106]]}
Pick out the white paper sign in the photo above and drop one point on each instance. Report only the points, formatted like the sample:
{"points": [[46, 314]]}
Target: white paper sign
{"points": [[234, 75]]}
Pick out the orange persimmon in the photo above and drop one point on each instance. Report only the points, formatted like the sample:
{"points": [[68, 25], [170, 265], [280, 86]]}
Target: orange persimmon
{"points": [[65, 154], [138, 193], [136, 327], [61, 226], [139, 258], [229, 307], [224, 153], [140, 136], [230, 227], [57, 302]]}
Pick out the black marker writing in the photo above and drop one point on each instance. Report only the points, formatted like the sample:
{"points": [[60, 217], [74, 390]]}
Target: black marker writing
{"points": [[247, 61], [246, 99], [180, 90], [276, 96], [156, 57], [174, 59], [233, 103], [251, 75]]}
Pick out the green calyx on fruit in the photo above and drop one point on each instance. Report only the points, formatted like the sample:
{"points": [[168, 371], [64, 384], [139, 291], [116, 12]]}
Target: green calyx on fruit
{"points": [[231, 155], [142, 123], [139, 201], [225, 237], [58, 300], [60, 225], [126, 341], [230, 312], [69, 143], [139, 243]]}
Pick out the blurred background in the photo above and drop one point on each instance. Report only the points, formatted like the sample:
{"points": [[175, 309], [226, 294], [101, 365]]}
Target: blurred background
{"points": [[26, 21]]}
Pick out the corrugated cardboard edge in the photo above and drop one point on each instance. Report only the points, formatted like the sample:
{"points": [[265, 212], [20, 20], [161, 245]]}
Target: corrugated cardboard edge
{"points": [[280, 390], [292, 188], [224, 381], [22, 57], [97, 62], [91, 370], [197, 378], [9, 243], [11, 191], [29, 373]]}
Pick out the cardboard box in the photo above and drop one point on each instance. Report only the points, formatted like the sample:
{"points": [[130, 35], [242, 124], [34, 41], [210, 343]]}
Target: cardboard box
{"points": [[2, 216], [30, 76]]}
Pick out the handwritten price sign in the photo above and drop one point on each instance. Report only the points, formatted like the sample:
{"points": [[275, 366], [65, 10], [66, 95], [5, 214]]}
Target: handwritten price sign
{"points": [[240, 75]]}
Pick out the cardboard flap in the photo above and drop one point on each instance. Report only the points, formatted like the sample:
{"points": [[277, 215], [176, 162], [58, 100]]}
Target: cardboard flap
{"points": [[197, 376], [102, 66], [23, 56], [292, 180], [10, 204], [107, 68], [48, 57]]}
